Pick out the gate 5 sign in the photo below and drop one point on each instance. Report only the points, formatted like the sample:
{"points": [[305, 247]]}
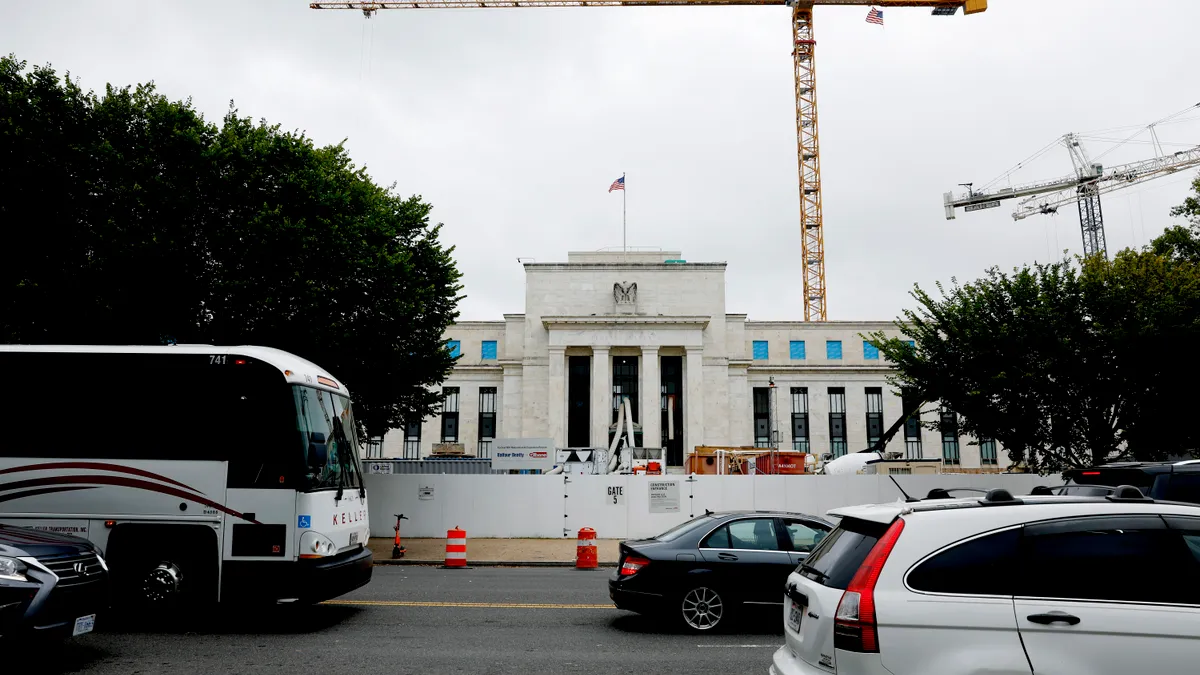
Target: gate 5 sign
{"points": [[616, 495]]}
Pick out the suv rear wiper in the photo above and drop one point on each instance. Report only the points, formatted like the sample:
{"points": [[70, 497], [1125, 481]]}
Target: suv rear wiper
{"points": [[805, 567]]}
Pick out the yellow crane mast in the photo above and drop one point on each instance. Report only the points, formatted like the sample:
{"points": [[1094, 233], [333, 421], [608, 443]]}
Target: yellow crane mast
{"points": [[804, 55]]}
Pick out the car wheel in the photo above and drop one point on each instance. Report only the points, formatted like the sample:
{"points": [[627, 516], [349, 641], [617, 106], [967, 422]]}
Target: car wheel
{"points": [[702, 608]]}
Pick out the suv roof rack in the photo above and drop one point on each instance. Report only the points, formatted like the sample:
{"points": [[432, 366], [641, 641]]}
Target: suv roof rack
{"points": [[999, 497], [1128, 493]]}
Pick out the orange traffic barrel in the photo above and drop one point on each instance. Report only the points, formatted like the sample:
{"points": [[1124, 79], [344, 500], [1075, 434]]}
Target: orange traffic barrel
{"points": [[456, 548], [585, 550]]}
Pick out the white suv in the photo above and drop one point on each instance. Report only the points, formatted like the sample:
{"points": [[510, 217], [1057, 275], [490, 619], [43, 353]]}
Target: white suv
{"points": [[999, 585]]}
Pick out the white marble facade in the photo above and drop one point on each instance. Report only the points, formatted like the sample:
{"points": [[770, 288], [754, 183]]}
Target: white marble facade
{"points": [[612, 305]]}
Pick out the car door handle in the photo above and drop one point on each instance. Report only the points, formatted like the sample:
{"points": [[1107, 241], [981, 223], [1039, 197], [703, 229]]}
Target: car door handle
{"points": [[1054, 617], [727, 556]]}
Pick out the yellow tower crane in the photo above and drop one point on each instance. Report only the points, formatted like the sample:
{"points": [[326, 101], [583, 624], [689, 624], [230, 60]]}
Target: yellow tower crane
{"points": [[804, 55]]}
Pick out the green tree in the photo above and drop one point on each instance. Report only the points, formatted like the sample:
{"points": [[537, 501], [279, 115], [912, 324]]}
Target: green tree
{"points": [[128, 218], [1068, 364]]}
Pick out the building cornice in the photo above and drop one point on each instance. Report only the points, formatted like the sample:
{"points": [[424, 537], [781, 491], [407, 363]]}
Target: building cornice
{"points": [[617, 320], [818, 326], [634, 266]]}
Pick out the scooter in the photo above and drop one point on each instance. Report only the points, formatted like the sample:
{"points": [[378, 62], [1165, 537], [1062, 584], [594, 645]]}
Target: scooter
{"points": [[398, 551]]}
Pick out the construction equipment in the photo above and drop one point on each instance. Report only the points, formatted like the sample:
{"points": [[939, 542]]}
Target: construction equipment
{"points": [[1084, 186], [803, 54]]}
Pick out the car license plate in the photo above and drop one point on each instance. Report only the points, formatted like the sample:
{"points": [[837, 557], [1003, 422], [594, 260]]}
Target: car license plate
{"points": [[84, 624], [794, 616], [354, 537]]}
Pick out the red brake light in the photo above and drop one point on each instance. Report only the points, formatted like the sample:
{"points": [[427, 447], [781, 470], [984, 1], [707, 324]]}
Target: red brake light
{"points": [[239, 362], [854, 627], [632, 565], [1091, 473]]}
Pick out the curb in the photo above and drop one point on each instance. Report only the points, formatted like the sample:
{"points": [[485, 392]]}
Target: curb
{"points": [[484, 563]]}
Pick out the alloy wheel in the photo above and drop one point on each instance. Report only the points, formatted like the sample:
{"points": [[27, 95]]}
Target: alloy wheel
{"points": [[702, 608]]}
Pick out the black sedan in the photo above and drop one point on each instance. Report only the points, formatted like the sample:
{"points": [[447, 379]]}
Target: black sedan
{"points": [[700, 572], [50, 584]]}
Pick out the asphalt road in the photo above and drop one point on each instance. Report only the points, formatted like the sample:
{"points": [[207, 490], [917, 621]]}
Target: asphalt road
{"points": [[421, 620]]}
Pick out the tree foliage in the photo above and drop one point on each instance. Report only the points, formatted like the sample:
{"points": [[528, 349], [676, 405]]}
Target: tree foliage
{"points": [[129, 219], [1068, 364]]}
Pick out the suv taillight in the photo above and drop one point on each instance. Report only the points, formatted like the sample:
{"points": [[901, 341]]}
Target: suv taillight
{"points": [[854, 627], [632, 565]]}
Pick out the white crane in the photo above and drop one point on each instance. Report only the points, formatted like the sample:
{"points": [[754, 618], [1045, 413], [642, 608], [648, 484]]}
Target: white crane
{"points": [[1083, 187]]}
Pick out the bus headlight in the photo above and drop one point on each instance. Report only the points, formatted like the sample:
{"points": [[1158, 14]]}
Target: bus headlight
{"points": [[316, 545]]}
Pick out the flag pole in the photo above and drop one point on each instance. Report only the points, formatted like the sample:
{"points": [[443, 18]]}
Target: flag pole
{"points": [[624, 245]]}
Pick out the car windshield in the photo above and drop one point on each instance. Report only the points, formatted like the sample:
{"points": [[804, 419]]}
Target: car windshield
{"points": [[683, 528], [326, 427]]}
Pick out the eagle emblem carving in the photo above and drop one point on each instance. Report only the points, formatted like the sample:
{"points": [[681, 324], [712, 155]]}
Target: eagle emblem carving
{"points": [[625, 293]]}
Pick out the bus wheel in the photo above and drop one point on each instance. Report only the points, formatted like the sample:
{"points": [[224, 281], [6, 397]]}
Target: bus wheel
{"points": [[162, 584]]}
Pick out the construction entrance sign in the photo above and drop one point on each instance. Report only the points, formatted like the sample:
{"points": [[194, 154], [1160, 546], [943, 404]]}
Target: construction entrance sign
{"points": [[664, 496]]}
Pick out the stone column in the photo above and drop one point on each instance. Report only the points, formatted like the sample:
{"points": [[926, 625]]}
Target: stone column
{"points": [[693, 402], [601, 415], [650, 389], [556, 401]]}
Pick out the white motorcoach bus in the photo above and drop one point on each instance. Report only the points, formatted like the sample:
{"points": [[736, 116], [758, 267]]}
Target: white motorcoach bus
{"points": [[203, 473]]}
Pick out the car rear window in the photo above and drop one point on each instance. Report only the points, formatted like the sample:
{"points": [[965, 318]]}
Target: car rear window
{"points": [[837, 558], [683, 528], [982, 566]]}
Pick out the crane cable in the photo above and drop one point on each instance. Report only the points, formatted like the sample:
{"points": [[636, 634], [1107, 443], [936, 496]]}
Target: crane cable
{"points": [[1169, 119], [1142, 130]]}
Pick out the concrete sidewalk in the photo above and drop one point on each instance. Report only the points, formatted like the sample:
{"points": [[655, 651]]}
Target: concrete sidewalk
{"points": [[495, 552]]}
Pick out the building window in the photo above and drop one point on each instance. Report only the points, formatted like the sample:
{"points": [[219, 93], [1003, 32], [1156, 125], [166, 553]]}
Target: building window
{"points": [[487, 350], [373, 448], [987, 452], [796, 350], [412, 440], [761, 351], [762, 417], [833, 350], [912, 425], [487, 420], [450, 414], [837, 420], [870, 351], [949, 425], [455, 348], [800, 418], [625, 385], [874, 415]]}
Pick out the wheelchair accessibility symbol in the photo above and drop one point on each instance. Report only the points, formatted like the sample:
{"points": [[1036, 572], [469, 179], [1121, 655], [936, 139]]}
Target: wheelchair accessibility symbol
{"points": [[304, 522]]}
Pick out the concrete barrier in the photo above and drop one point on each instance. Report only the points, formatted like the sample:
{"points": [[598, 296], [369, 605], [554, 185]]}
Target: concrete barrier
{"points": [[621, 507]]}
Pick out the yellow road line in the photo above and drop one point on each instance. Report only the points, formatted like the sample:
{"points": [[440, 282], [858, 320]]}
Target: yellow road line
{"points": [[480, 605]]}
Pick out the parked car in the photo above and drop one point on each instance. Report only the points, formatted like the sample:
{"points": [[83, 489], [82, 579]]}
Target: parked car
{"points": [[999, 585], [1174, 481], [50, 584], [700, 572]]}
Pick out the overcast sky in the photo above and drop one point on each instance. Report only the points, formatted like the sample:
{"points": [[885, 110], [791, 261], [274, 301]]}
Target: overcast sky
{"points": [[513, 123]]}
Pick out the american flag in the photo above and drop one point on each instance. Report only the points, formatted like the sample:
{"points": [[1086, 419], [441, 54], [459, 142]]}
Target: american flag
{"points": [[875, 16], [618, 184]]}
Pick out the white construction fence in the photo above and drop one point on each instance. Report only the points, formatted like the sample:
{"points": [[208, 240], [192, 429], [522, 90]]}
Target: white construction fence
{"points": [[629, 506]]}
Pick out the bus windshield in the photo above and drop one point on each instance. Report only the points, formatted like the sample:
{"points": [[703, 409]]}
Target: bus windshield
{"points": [[326, 426]]}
